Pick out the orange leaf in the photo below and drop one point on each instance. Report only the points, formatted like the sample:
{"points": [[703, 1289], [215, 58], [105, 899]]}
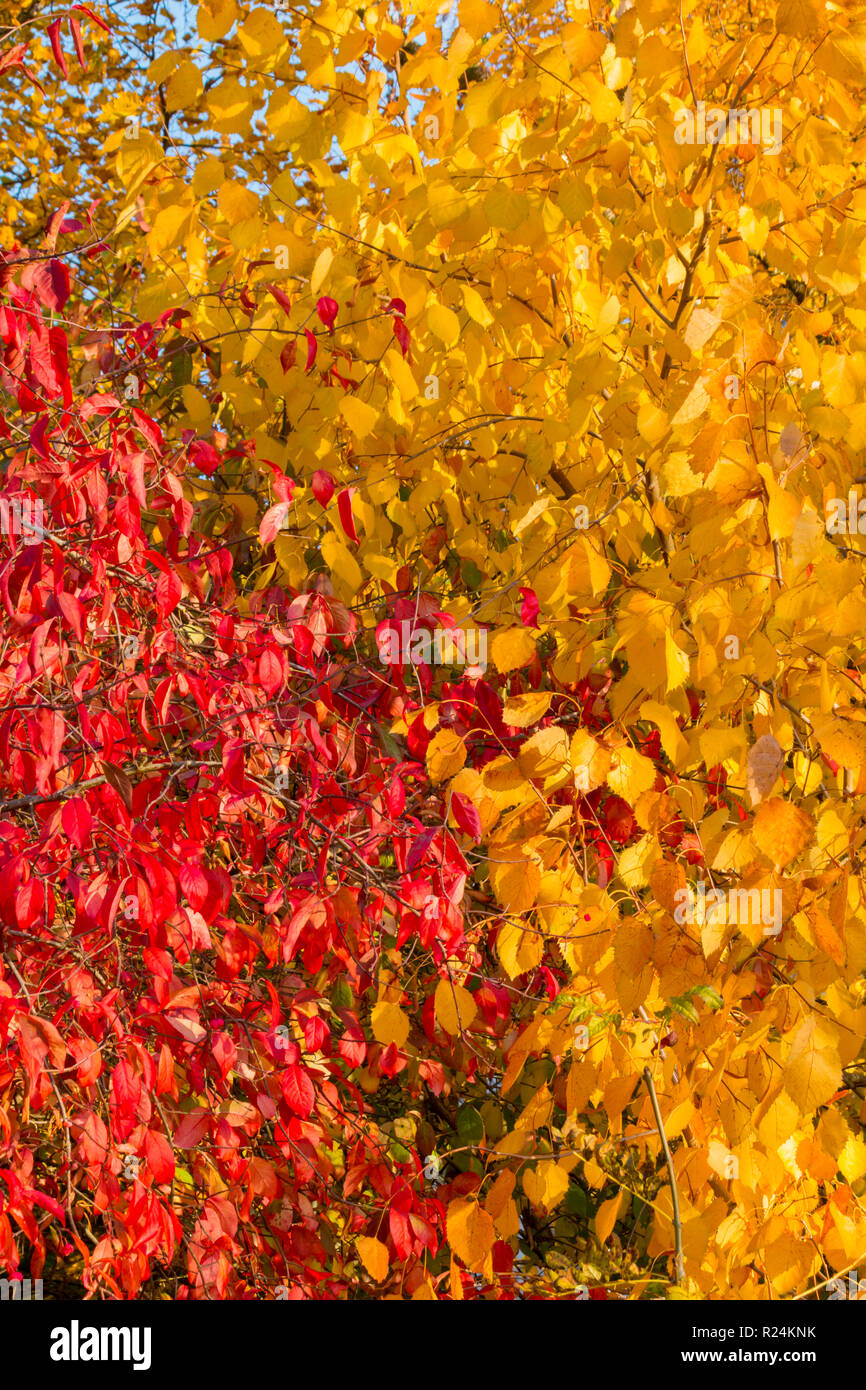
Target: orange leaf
{"points": [[782, 831], [471, 1232], [605, 1217]]}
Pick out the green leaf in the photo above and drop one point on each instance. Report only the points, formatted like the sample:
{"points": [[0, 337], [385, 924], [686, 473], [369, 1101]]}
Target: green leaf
{"points": [[683, 1006], [709, 995], [470, 1126]]}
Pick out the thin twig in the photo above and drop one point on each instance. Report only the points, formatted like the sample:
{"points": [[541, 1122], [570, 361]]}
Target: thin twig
{"points": [[678, 1225]]}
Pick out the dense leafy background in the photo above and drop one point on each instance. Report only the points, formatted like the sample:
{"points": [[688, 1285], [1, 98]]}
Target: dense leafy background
{"points": [[327, 978]]}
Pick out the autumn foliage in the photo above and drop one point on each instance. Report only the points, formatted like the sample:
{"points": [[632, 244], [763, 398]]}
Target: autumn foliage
{"points": [[327, 973]]}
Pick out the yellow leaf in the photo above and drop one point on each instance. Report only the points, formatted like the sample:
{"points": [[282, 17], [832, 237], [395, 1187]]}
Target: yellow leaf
{"points": [[594, 1173], [342, 563], [632, 990], [288, 118], [754, 230], [852, 1160], [471, 1233], [500, 1205], [633, 946], [215, 18], [455, 1007], [680, 1116], [230, 106], [390, 1024], [783, 511], [813, 1071], [672, 739], [602, 103], [359, 416], [605, 1217], [515, 878], [235, 202], [374, 1257], [261, 33], [324, 261], [585, 569], [522, 710], [631, 774], [782, 831], [444, 323], [766, 759], [841, 739], [475, 306], [546, 1185], [827, 938], [184, 87], [169, 228], [506, 208], [677, 665], [545, 754], [666, 880], [580, 1084], [446, 754], [591, 762], [512, 648], [503, 774], [518, 950], [801, 18]]}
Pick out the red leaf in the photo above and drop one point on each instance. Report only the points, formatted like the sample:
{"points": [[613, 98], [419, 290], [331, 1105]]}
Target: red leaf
{"points": [[37, 1040], [54, 36], [55, 223], [127, 514], [193, 881], [74, 612], [401, 1233], [158, 1156], [223, 1052], [352, 1045], [401, 333], [148, 427], [466, 815], [280, 296], [192, 1129], [312, 348], [168, 592], [396, 798], [77, 821], [117, 778], [13, 57], [396, 306], [298, 1090], [29, 903], [323, 487], [619, 822], [272, 521], [529, 607], [76, 38], [85, 9], [100, 404], [270, 672], [39, 436], [48, 281], [287, 356], [205, 457], [284, 486], [344, 507], [327, 310], [39, 1199]]}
